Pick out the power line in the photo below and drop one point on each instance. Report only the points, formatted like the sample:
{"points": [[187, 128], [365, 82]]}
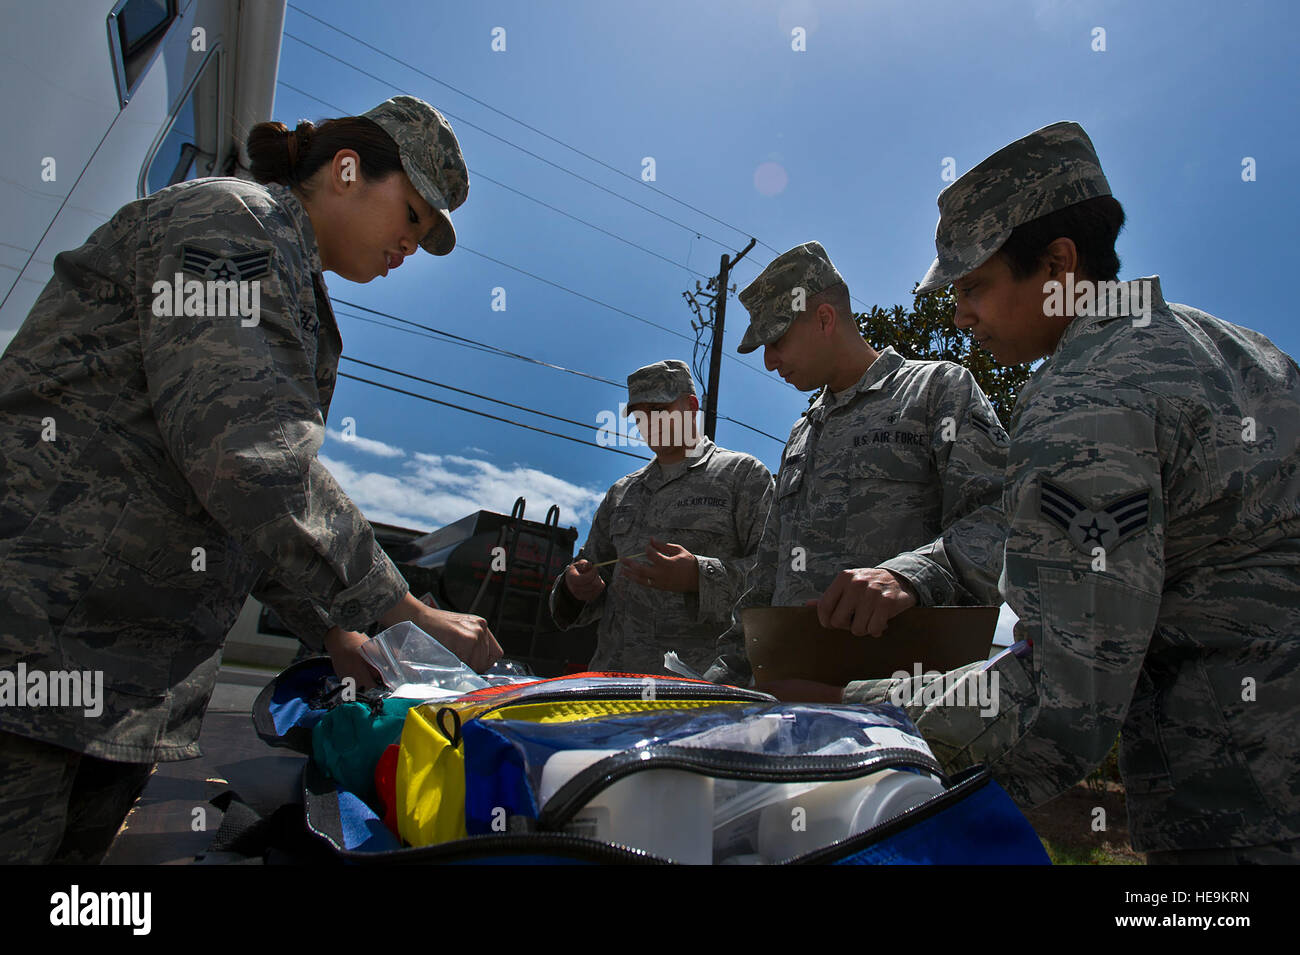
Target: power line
{"points": [[515, 119], [581, 295], [469, 342], [527, 152], [539, 278], [484, 414], [511, 404], [480, 346], [472, 394], [540, 132], [477, 175], [780, 441], [423, 330], [612, 235], [612, 308]]}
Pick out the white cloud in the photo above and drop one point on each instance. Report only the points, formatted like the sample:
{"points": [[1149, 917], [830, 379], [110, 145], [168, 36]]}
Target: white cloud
{"points": [[432, 490], [366, 445]]}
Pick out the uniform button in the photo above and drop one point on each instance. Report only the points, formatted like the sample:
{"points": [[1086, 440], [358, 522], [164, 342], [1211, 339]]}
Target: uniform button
{"points": [[351, 608]]}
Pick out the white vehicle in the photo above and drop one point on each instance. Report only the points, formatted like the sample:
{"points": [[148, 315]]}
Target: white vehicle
{"points": [[109, 101]]}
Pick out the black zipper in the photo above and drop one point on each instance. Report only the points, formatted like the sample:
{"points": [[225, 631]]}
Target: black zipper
{"points": [[962, 785], [722, 764]]}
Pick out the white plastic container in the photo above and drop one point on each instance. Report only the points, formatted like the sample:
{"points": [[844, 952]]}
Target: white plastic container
{"points": [[667, 812], [836, 810]]}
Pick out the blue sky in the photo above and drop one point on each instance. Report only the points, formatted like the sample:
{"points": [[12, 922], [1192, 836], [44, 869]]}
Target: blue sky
{"points": [[859, 124]]}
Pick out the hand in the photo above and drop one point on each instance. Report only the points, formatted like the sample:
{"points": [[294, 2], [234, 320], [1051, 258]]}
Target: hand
{"points": [[802, 691], [583, 580], [669, 567], [463, 634], [344, 648], [863, 600]]}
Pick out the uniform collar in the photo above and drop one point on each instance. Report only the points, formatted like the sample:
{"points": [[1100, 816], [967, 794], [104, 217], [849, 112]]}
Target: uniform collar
{"points": [[654, 473], [1152, 296], [298, 213], [707, 447], [873, 379]]}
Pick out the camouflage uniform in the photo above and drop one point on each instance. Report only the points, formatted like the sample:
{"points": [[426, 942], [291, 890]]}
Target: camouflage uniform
{"points": [[1153, 556], [713, 503], [903, 471], [62, 807], [156, 467]]}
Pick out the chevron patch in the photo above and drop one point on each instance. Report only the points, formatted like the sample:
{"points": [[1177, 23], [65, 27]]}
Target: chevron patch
{"points": [[1088, 528], [210, 266], [992, 431]]}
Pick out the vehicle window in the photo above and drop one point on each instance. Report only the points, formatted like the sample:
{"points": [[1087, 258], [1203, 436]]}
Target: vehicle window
{"points": [[188, 151], [135, 31]]}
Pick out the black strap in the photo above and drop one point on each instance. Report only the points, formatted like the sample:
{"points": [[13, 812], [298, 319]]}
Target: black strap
{"points": [[281, 838]]}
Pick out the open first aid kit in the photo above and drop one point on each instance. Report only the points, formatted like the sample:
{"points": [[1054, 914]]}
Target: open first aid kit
{"points": [[598, 768]]}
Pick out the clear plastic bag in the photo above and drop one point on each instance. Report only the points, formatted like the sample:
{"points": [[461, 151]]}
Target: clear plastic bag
{"points": [[732, 783], [416, 666]]}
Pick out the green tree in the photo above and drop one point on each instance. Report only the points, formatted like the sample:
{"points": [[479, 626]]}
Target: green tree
{"points": [[927, 332]]}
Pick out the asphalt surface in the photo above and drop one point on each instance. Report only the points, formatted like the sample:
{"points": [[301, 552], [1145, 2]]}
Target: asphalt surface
{"points": [[173, 821]]}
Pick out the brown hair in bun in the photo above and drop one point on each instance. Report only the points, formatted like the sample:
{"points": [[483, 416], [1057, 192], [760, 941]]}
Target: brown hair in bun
{"points": [[291, 157]]}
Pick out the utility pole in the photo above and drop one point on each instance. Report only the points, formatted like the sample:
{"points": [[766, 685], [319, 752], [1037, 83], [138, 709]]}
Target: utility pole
{"points": [[715, 359]]}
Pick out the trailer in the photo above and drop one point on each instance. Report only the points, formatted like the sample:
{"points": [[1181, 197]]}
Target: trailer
{"points": [[108, 102]]}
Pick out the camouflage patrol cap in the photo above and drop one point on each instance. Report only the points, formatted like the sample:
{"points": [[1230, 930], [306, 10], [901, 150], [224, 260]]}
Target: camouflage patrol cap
{"points": [[660, 383], [769, 299], [431, 159], [1049, 169]]}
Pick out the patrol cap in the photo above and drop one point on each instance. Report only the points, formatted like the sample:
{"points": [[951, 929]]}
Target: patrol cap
{"points": [[1049, 169], [769, 299], [431, 159], [660, 383]]}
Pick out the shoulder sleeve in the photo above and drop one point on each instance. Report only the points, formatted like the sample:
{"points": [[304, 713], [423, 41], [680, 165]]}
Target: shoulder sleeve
{"points": [[732, 664], [722, 580], [236, 401], [1084, 573], [964, 563]]}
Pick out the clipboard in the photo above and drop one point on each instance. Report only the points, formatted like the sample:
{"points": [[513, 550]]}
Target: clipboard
{"points": [[789, 643]]}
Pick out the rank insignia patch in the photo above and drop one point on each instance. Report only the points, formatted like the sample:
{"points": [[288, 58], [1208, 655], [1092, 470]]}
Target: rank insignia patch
{"points": [[1088, 528], [210, 266], [986, 427]]}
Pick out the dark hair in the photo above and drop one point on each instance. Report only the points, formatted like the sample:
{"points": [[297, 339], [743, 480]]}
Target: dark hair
{"points": [[836, 295], [1092, 225], [290, 157]]}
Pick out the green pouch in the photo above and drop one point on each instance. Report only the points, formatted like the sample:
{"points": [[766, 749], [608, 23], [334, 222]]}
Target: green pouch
{"points": [[346, 742]]}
